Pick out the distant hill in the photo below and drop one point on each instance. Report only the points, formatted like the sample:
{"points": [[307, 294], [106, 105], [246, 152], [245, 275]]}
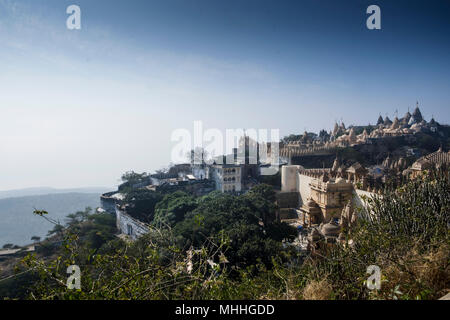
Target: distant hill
{"points": [[18, 223], [48, 190]]}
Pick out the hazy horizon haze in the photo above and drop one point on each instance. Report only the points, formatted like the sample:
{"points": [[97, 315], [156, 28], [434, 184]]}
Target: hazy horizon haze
{"points": [[81, 107]]}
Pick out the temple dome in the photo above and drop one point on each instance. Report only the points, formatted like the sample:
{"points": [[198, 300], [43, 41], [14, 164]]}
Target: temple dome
{"points": [[336, 129], [380, 120], [406, 118], [417, 115], [395, 124], [387, 121]]}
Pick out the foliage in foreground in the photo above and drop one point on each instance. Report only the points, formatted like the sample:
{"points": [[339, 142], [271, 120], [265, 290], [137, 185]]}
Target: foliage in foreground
{"points": [[406, 235]]}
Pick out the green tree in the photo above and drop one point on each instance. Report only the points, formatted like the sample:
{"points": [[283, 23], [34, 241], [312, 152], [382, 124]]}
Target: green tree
{"points": [[238, 219], [261, 199], [141, 203], [132, 177], [222, 250], [173, 208]]}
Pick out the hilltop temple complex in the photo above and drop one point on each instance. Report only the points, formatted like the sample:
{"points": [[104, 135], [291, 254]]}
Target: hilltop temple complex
{"points": [[323, 201], [326, 179], [340, 136]]}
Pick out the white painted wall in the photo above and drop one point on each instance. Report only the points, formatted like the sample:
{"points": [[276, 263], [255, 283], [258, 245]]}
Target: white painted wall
{"points": [[303, 187]]}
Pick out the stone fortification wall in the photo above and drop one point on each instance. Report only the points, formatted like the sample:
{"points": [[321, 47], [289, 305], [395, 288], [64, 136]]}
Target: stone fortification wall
{"points": [[108, 203], [130, 226]]}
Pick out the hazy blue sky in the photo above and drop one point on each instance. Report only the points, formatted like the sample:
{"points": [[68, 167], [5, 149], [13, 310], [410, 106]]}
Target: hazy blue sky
{"points": [[80, 107]]}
